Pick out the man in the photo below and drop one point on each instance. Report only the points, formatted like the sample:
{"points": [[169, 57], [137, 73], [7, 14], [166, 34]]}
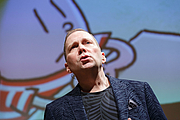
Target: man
{"points": [[99, 96]]}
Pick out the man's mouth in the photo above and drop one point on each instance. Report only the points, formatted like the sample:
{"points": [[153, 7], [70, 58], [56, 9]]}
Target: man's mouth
{"points": [[84, 58]]}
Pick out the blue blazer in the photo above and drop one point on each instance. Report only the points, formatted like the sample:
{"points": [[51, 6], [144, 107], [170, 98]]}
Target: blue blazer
{"points": [[134, 100]]}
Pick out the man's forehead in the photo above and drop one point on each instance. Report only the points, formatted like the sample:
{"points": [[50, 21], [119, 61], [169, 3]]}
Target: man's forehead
{"points": [[80, 34], [74, 36]]}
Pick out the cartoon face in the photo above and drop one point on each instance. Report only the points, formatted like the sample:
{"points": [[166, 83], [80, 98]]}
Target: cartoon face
{"points": [[32, 63], [32, 36]]}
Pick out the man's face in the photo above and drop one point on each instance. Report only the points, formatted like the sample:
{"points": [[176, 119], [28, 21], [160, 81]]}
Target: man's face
{"points": [[82, 52]]}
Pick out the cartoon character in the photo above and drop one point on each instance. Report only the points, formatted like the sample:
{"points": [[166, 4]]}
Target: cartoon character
{"points": [[32, 61]]}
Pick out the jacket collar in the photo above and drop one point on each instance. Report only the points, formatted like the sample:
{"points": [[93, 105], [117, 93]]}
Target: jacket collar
{"points": [[120, 93], [76, 103]]}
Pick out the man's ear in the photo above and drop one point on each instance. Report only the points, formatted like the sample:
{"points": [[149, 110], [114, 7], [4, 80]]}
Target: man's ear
{"points": [[103, 57], [67, 68]]}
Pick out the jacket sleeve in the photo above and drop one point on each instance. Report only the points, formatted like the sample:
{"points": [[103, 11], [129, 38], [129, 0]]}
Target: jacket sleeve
{"points": [[154, 108], [48, 115]]}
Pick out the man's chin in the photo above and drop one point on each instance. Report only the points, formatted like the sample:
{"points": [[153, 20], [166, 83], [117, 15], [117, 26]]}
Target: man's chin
{"points": [[87, 66]]}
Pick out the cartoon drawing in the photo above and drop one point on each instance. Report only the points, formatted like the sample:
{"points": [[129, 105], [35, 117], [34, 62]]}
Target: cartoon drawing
{"points": [[25, 94], [32, 71]]}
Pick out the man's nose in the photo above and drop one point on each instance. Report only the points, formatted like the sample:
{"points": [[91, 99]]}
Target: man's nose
{"points": [[82, 49]]}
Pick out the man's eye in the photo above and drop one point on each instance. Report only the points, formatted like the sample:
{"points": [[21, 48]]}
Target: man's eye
{"points": [[87, 42], [74, 46]]}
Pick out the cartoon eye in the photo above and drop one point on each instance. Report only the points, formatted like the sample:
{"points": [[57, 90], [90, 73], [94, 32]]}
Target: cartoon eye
{"points": [[41, 21], [68, 26]]}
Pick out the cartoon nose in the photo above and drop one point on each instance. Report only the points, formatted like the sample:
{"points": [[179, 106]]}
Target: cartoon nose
{"points": [[82, 49]]}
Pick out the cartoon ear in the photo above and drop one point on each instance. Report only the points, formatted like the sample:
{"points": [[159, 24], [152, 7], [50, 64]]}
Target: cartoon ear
{"points": [[103, 58], [67, 68]]}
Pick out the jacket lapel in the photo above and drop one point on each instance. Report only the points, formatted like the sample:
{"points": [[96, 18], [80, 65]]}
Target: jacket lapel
{"points": [[120, 93], [76, 103]]}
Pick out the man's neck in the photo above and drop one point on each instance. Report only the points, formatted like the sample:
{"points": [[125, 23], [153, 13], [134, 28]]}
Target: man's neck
{"points": [[93, 82]]}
